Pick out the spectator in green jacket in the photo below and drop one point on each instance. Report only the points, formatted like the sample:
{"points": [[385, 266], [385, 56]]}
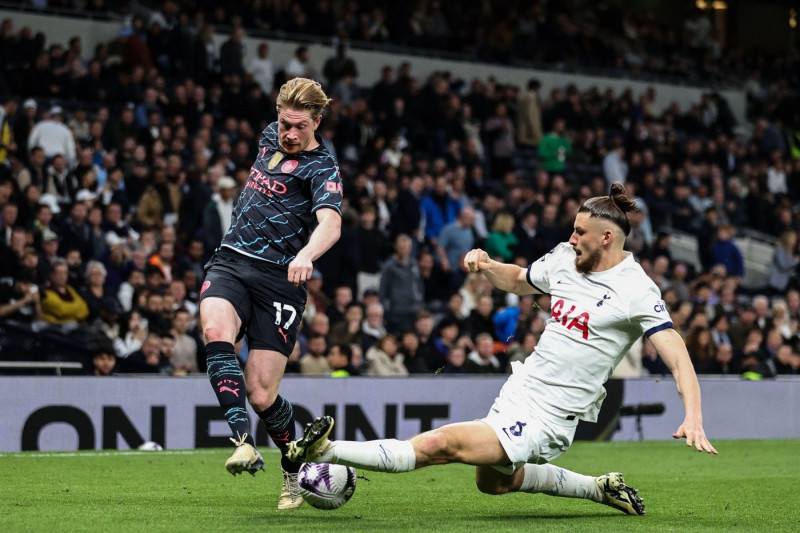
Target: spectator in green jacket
{"points": [[555, 148]]}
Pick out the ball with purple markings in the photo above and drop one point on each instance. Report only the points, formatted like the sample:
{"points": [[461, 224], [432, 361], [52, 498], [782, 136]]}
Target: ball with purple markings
{"points": [[326, 486]]}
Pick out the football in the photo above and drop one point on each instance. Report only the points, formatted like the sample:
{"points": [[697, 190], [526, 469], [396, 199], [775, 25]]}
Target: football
{"points": [[326, 486]]}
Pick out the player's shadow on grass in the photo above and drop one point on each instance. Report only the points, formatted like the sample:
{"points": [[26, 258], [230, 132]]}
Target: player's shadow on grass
{"points": [[531, 515], [337, 518]]}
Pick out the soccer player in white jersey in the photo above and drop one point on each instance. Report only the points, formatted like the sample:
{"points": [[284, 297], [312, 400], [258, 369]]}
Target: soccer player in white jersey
{"points": [[602, 301]]}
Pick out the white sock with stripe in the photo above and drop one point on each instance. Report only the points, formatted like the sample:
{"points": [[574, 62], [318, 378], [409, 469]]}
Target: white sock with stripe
{"points": [[386, 455], [555, 481]]}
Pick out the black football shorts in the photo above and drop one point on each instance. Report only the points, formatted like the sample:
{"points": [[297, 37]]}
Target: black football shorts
{"points": [[271, 308]]}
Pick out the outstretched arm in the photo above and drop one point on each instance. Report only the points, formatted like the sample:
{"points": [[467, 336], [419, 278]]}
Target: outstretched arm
{"points": [[673, 352], [509, 278], [322, 238]]}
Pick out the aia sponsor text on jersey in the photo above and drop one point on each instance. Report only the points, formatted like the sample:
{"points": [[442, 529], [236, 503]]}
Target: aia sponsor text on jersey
{"points": [[579, 321]]}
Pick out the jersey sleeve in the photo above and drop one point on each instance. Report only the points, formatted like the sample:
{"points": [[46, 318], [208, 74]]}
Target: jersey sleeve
{"points": [[539, 271], [649, 312], [326, 187]]}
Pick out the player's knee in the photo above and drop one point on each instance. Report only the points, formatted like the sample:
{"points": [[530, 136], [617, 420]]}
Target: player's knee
{"points": [[214, 333], [261, 399], [437, 446]]}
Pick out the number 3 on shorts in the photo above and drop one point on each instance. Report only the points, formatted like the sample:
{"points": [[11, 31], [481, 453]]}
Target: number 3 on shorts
{"points": [[279, 309]]}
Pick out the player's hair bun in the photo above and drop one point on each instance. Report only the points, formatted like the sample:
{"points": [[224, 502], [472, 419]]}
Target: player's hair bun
{"points": [[620, 199]]}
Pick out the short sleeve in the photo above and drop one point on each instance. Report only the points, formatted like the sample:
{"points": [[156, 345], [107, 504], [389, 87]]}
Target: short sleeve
{"points": [[539, 271], [649, 312], [326, 187]]}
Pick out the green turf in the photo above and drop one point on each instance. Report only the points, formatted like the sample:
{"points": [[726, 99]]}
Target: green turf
{"points": [[749, 487]]}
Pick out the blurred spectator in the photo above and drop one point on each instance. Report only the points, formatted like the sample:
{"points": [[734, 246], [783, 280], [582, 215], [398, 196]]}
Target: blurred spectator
{"points": [[407, 213], [726, 252], [499, 129], [104, 362], [373, 326], [385, 358], [701, 348], [7, 109], [502, 241], [555, 148], [783, 266], [529, 117], [439, 208], [348, 330], [261, 69], [23, 124], [373, 250], [480, 319], [231, 55], [76, 234], [318, 301], [184, 353], [435, 282], [455, 240], [54, 137], [61, 303], [105, 329], [614, 166], [20, 300], [787, 361], [94, 292], [314, 361], [300, 65], [339, 360], [12, 250], [339, 66], [409, 347], [35, 172], [146, 359], [164, 260], [401, 287], [482, 359], [520, 349], [133, 331], [456, 362]]}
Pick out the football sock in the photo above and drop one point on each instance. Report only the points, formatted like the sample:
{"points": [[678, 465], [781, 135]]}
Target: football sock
{"points": [[388, 455], [555, 481], [278, 418], [227, 381]]}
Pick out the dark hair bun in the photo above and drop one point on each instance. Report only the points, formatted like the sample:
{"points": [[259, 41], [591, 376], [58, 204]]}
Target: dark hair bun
{"points": [[620, 198]]}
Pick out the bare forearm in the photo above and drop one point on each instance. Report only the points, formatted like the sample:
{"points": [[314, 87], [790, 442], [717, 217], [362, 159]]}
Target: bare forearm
{"points": [[688, 390], [506, 277], [321, 239]]}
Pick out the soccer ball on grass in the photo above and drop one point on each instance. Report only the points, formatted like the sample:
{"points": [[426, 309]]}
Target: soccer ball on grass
{"points": [[326, 486]]}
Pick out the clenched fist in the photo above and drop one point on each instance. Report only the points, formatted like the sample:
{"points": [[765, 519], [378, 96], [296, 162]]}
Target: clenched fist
{"points": [[476, 260]]}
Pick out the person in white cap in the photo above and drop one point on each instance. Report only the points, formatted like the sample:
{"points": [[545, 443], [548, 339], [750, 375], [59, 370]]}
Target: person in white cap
{"points": [[23, 124], [218, 211], [54, 137]]}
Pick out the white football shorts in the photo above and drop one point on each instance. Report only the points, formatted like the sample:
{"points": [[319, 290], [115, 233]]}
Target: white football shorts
{"points": [[527, 433]]}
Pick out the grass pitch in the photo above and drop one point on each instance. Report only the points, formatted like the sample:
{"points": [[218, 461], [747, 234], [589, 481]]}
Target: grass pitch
{"points": [[750, 486]]}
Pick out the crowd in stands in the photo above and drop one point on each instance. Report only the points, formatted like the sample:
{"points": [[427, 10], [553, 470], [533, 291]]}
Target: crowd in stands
{"points": [[119, 170], [680, 41]]}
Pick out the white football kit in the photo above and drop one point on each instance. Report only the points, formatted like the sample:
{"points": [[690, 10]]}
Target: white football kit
{"points": [[595, 318]]}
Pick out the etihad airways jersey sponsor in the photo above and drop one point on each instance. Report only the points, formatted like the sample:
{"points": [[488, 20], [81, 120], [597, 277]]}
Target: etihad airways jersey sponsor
{"points": [[274, 214]]}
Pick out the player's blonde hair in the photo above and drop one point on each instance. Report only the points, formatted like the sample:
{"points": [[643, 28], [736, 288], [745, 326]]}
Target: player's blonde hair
{"points": [[303, 94], [613, 207]]}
